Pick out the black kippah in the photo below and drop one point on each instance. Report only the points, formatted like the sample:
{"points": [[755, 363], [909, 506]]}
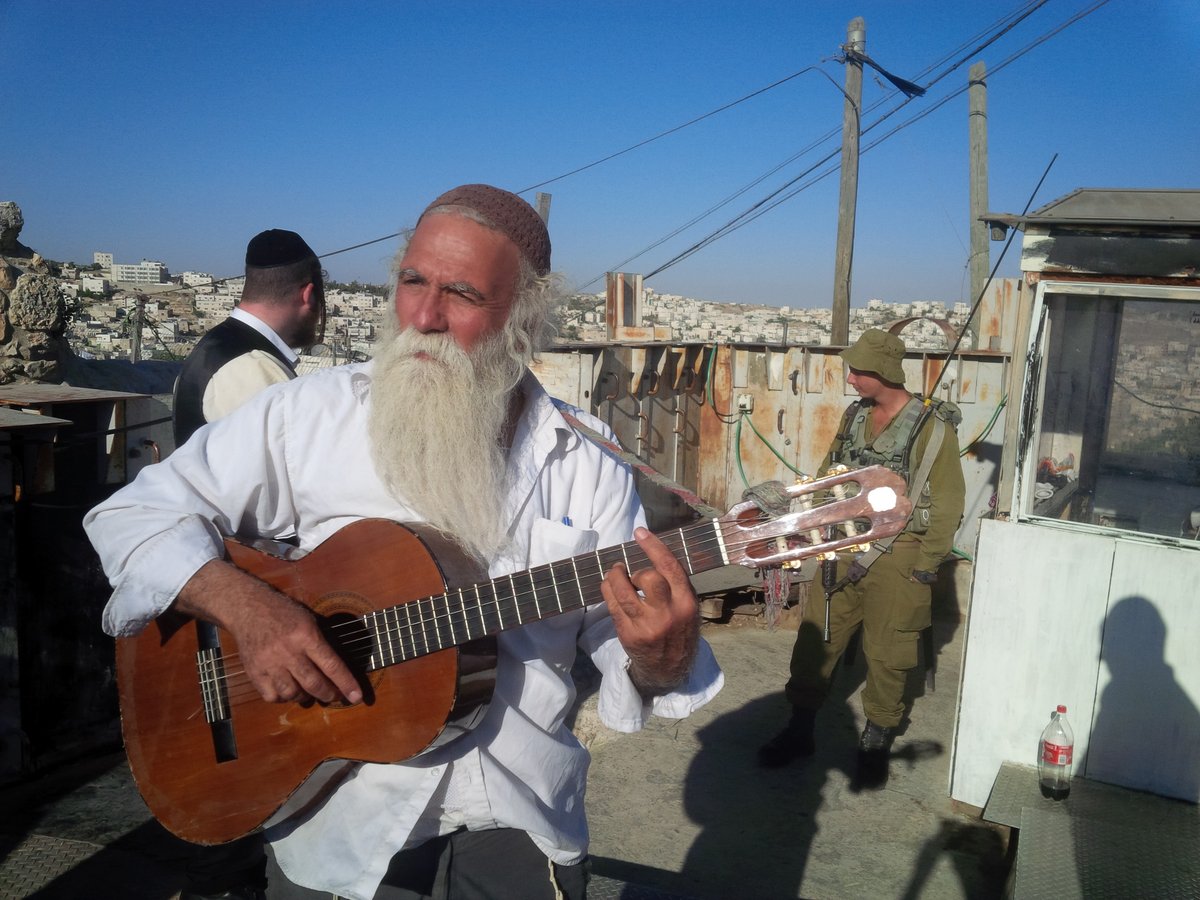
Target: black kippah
{"points": [[277, 247]]}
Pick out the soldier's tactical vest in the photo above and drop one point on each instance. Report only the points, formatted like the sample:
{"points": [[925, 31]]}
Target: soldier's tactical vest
{"points": [[893, 447]]}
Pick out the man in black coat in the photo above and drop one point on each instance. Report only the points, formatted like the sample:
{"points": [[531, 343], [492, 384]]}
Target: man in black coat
{"points": [[282, 307]]}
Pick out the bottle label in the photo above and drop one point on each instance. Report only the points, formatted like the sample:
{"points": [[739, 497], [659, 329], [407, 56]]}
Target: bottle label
{"points": [[1056, 754]]}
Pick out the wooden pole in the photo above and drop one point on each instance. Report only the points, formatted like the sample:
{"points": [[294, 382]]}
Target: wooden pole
{"points": [[856, 39], [543, 206], [135, 337], [980, 246]]}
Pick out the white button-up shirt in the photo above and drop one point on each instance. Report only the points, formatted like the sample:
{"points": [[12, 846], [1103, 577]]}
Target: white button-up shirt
{"points": [[296, 459]]}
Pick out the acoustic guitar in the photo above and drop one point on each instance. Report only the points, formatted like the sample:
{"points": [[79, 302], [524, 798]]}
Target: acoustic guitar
{"points": [[417, 624]]}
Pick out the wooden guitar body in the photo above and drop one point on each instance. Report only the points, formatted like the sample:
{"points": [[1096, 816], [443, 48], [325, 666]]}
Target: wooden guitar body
{"points": [[212, 783]]}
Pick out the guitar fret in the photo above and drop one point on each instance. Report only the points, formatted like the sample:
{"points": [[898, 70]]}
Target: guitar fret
{"points": [[371, 621], [466, 618], [479, 609], [489, 611], [687, 553], [554, 584], [720, 541], [424, 625], [451, 616], [432, 625], [497, 608], [383, 633], [537, 606], [439, 623], [412, 615], [579, 581], [391, 629], [512, 586], [412, 632]]}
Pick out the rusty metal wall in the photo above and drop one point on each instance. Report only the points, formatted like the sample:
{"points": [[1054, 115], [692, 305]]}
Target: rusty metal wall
{"points": [[716, 418]]}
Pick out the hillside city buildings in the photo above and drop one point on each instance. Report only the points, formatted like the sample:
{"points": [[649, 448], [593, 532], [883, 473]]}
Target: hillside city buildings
{"points": [[177, 310]]}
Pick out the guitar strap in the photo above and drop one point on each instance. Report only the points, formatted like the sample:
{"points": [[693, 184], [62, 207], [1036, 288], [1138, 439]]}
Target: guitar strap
{"points": [[649, 472]]}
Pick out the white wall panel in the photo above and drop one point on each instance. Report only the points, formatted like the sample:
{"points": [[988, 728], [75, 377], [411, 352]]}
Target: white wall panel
{"points": [[1146, 728], [1032, 643]]}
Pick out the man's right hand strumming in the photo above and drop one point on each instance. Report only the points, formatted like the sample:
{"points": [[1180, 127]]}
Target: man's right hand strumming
{"points": [[284, 654]]}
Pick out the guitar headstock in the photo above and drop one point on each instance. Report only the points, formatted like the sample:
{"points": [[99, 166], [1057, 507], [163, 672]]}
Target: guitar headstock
{"points": [[873, 498]]}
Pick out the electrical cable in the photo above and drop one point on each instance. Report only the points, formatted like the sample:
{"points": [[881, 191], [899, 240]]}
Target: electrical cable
{"points": [[1170, 406], [985, 38], [987, 429], [759, 208], [663, 134]]}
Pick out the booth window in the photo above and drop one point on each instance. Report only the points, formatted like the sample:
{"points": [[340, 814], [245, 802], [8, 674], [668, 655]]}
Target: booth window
{"points": [[1115, 441]]}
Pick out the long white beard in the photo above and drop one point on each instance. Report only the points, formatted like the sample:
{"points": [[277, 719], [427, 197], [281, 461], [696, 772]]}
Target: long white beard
{"points": [[436, 427]]}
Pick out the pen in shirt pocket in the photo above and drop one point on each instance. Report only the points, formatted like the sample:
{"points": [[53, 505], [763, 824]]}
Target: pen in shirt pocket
{"points": [[566, 520]]}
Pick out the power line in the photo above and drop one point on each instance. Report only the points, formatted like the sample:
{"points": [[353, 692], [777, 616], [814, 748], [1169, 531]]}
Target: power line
{"points": [[663, 134], [761, 207], [976, 43], [1003, 23]]}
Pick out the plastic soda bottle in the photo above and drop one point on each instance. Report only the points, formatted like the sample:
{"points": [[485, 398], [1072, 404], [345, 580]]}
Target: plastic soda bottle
{"points": [[1055, 757]]}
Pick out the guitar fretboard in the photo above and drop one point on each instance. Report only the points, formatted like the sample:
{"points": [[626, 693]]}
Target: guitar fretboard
{"points": [[435, 623]]}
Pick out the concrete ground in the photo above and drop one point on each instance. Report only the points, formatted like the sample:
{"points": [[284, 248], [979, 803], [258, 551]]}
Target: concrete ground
{"points": [[678, 810], [684, 808]]}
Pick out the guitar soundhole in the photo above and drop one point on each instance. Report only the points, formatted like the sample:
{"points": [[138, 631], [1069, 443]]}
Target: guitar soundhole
{"points": [[348, 634]]}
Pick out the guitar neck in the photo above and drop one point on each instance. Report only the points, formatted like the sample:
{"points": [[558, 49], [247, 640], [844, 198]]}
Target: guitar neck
{"points": [[460, 615]]}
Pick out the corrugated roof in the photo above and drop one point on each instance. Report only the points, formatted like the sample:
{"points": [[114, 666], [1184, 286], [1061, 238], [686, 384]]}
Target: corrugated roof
{"points": [[1105, 206]]}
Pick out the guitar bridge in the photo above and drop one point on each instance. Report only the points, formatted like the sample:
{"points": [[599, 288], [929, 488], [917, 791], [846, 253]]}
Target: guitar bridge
{"points": [[214, 691], [210, 668]]}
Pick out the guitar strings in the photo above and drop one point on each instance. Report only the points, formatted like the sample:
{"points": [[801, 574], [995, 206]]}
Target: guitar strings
{"points": [[360, 650]]}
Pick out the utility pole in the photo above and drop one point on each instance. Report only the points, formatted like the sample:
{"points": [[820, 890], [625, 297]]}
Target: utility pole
{"points": [[543, 206], [135, 338], [856, 40], [980, 253]]}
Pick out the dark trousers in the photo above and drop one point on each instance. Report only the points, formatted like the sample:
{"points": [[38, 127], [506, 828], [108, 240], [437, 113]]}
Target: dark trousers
{"points": [[220, 867], [501, 864]]}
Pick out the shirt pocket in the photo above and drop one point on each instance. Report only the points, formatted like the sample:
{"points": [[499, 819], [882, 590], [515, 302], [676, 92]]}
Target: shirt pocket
{"points": [[551, 540]]}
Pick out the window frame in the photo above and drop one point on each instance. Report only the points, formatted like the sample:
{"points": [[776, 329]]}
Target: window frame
{"points": [[1032, 398]]}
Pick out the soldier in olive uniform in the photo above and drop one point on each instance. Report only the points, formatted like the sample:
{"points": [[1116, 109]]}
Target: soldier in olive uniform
{"points": [[887, 593]]}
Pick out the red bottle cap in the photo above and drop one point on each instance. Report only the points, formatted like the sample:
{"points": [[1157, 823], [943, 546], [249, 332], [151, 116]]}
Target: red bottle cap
{"points": [[1062, 709]]}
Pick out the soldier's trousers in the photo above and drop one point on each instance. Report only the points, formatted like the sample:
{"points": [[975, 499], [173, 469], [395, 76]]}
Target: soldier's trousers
{"points": [[892, 609]]}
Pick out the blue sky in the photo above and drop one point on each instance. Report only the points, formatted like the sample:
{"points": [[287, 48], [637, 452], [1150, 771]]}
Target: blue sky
{"points": [[176, 131]]}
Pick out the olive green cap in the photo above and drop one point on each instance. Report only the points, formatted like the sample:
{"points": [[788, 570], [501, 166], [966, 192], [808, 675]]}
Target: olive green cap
{"points": [[878, 352]]}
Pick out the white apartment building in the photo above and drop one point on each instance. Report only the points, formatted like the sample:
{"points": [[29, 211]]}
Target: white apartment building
{"points": [[146, 272], [94, 284], [103, 260], [197, 279], [214, 304]]}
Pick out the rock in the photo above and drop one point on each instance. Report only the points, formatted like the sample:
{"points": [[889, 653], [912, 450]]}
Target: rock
{"points": [[37, 303], [11, 223]]}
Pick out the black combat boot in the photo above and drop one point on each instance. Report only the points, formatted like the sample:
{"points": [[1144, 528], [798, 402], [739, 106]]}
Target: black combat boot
{"points": [[795, 741], [874, 747]]}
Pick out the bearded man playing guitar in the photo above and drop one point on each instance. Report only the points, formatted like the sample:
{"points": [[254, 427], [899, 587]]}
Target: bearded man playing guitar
{"points": [[445, 427]]}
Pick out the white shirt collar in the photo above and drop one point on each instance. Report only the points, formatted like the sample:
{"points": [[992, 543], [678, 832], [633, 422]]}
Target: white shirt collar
{"points": [[248, 318]]}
